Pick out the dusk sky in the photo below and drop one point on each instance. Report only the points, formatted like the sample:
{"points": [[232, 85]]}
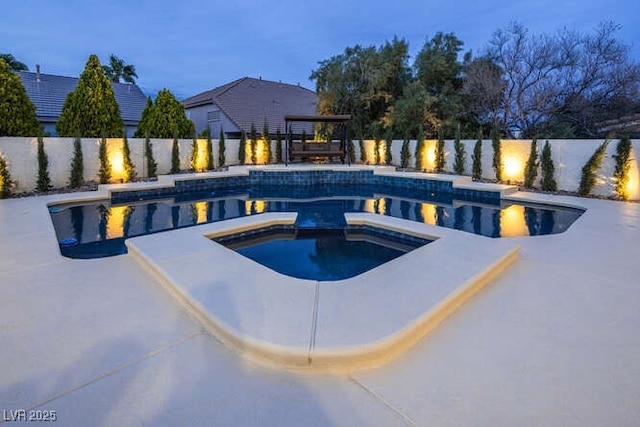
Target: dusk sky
{"points": [[190, 46]]}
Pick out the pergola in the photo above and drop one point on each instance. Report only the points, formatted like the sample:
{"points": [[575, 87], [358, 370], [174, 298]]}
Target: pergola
{"points": [[307, 149]]}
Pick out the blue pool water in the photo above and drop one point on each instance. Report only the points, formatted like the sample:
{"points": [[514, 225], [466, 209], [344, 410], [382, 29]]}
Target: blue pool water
{"points": [[99, 229], [319, 254]]}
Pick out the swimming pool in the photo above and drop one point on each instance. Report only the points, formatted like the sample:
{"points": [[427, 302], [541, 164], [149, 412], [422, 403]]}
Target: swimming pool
{"points": [[99, 228]]}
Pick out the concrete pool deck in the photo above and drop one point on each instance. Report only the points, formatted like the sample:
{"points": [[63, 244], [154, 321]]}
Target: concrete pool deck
{"points": [[552, 340]]}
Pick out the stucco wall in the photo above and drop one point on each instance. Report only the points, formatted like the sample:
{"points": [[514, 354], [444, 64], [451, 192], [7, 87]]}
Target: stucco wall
{"points": [[569, 157]]}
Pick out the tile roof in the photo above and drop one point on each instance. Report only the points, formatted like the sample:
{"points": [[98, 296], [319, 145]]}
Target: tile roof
{"points": [[248, 100], [50, 92]]}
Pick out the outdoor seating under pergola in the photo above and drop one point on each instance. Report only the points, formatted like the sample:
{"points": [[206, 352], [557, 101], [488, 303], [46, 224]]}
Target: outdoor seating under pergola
{"points": [[333, 145]]}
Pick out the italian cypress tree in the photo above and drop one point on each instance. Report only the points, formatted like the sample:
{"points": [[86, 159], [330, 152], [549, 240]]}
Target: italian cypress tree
{"points": [[547, 180], [376, 150], [254, 144], [76, 179], [210, 160], [460, 153], [242, 148], [104, 174], [476, 170], [5, 179], [44, 181], [221, 149], [175, 155], [278, 146], [266, 139], [193, 161], [419, 148], [405, 155], [143, 125], [129, 168], [440, 152], [352, 150], [387, 152], [363, 151], [152, 166], [497, 152], [17, 112], [590, 169], [623, 165], [531, 168], [91, 110]]}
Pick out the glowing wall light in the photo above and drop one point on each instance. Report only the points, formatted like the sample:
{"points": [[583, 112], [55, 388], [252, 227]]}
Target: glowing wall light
{"points": [[116, 159], [382, 151], [512, 222], [513, 168], [202, 160]]}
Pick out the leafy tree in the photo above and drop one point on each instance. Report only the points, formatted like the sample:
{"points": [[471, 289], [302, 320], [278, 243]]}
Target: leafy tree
{"points": [[547, 180], [129, 168], [623, 165], [242, 148], [5, 179], [91, 110], [254, 144], [167, 119], [589, 170], [221, 149], [44, 181], [76, 179], [266, 139], [104, 173], [460, 153], [175, 156], [531, 168], [152, 166], [476, 170], [117, 70], [13, 63], [278, 146], [405, 155], [496, 144], [17, 112], [143, 125], [440, 152]]}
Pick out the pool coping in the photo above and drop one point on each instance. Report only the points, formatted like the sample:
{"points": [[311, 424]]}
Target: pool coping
{"points": [[298, 323]]}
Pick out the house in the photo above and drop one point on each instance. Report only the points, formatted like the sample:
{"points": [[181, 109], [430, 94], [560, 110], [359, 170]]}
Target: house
{"points": [[235, 106], [48, 93]]}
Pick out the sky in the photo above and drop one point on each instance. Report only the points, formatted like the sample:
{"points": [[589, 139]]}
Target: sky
{"points": [[190, 46]]}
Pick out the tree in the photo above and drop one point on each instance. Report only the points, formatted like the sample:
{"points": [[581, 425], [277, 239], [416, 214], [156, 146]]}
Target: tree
{"points": [[129, 168], [104, 173], [440, 152], [387, 152], [195, 158], [483, 90], [278, 146], [44, 181], [254, 144], [210, 160], [117, 70], [419, 149], [460, 153], [242, 148], [590, 169], [531, 168], [91, 110], [175, 156], [496, 144], [623, 165], [76, 178], [547, 180], [405, 155], [221, 149], [152, 166], [5, 179], [13, 63], [143, 125], [17, 112], [476, 157], [167, 119], [266, 139]]}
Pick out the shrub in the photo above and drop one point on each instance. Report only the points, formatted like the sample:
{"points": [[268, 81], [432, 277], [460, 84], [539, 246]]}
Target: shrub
{"points": [[17, 112], [266, 140], [278, 146], [44, 181], [547, 180], [175, 156], [531, 168], [405, 155], [152, 166], [91, 109], [460, 153], [476, 157], [242, 148], [440, 152], [419, 148], [254, 144], [5, 179], [76, 179], [589, 170], [221, 149], [104, 173], [129, 168], [166, 119], [623, 165], [497, 152]]}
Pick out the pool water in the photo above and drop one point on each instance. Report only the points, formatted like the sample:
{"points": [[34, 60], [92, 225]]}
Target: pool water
{"points": [[320, 254], [99, 229]]}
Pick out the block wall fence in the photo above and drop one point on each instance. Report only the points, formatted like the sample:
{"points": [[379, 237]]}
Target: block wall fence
{"points": [[569, 156]]}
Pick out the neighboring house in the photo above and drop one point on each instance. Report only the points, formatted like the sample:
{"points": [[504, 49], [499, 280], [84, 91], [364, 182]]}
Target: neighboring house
{"points": [[48, 93], [236, 105]]}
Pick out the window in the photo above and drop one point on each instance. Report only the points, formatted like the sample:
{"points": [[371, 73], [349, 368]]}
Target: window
{"points": [[213, 116]]}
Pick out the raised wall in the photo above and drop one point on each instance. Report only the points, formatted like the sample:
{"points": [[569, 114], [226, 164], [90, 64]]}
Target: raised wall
{"points": [[569, 157]]}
